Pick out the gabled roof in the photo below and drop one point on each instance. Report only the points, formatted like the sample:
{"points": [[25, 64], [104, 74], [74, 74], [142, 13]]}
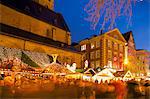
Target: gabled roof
{"points": [[105, 73], [128, 74], [56, 68], [127, 35], [117, 32], [37, 11], [107, 33]]}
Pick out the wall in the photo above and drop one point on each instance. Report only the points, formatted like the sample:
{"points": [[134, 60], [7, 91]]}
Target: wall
{"points": [[143, 57], [64, 55], [11, 42], [16, 19], [101, 45]]}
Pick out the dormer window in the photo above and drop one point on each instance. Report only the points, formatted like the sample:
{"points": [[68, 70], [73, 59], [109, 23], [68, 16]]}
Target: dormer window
{"points": [[116, 36], [62, 45], [40, 9], [27, 9], [92, 45], [55, 21], [83, 47]]}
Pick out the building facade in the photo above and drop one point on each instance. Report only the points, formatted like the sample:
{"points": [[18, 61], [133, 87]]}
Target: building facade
{"points": [[131, 51], [35, 18], [144, 57], [33, 25], [107, 49], [138, 61]]}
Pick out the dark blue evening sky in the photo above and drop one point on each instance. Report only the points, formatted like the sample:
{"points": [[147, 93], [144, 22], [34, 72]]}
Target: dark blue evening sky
{"points": [[74, 15]]}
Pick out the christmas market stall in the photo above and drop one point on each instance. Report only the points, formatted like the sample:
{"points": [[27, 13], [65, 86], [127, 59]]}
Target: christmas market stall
{"points": [[88, 74], [128, 76], [103, 76]]}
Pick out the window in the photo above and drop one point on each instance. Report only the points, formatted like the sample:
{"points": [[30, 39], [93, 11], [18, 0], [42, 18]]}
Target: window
{"points": [[115, 57], [109, 55], [116, 36], [55, 21], [92, 64], [53, 31], [92, 45], [115, 46], [121, 48], [121, 55], [92, 55], [109, 64], [49, 33], [109, 44], [98, 54], [67, 38], [27, 8], [83, 47], [40, 9], [97, 63], [97, 44]]}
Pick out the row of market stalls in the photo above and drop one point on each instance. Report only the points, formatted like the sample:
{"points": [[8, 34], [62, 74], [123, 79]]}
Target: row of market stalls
{"points": [[105, 75]]}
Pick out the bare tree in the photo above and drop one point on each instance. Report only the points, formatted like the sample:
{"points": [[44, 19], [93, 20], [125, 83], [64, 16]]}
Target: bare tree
{"points": [[108, 11]]}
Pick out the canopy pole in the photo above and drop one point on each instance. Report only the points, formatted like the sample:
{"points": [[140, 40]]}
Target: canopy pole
{"points": [[54, 57]]}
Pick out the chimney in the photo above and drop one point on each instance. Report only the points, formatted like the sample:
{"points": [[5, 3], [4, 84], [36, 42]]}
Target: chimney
{"points": [[101, 32]]}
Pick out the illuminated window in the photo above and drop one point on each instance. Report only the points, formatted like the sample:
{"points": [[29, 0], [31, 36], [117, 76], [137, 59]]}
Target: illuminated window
{"points": [[115, 46], [98, 54], [92, 45], [97, 44], [121, 48], [92, 64], [115, 58], [109, 64], [97, 63], [109, 44], [109, 55], [83, 47], [92, 55], [120, 55]]}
